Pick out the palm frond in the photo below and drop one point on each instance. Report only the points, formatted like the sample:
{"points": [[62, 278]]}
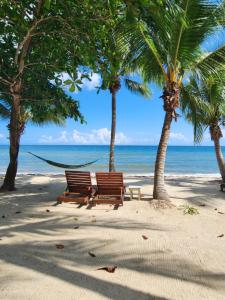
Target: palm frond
{"points": [[138, 88], [211, 64], [203, 104], [190, 28]]}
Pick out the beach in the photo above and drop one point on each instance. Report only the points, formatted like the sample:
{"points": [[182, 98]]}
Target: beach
{"points": [[160, 253]]}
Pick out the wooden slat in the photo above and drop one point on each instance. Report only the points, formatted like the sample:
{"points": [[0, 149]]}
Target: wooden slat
{"points": [[78, 181], [109, 179]]}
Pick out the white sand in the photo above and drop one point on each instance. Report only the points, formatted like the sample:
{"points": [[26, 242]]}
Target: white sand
{"points": [[182, 258]]}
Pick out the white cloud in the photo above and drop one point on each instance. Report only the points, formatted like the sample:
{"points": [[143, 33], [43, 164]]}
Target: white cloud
{"points": [[95, 82], [178, 136], [63, 136], [95, 137], [46, 139]]}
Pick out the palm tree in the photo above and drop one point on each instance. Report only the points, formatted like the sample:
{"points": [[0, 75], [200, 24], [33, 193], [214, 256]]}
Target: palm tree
{"points": [[166, 46], [114, 69], [48, 104], [203, 103]]}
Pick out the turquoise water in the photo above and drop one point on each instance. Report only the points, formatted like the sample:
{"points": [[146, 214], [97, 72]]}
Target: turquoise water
{"points": [[129, 159]]}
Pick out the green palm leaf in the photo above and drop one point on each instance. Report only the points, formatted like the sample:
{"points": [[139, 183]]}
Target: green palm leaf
{"points": [[138, 88]]}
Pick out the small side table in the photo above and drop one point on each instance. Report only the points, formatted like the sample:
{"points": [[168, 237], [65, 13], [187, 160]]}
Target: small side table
{"points": [[135, 190]]}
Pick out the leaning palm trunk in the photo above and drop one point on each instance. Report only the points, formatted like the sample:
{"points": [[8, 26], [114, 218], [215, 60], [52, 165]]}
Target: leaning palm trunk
{"points": [[15, 130], [159, 191], [216, 134], [113, 133], [171, 102]]}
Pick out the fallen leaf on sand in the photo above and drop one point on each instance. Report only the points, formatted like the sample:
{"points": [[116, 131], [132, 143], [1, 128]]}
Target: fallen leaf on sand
{"points": [[108, 269], [215, 208], [76, 219], [93, 221], [3, 216], [75, 227], [201, 204], [18, 212], [59, 246], [220, 212], [91, 254], [136, 211], [144, 237], [221, 235], [47, 210]]}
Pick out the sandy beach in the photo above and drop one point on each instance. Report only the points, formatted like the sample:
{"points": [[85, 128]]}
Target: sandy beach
{"points": [[182, 256]]}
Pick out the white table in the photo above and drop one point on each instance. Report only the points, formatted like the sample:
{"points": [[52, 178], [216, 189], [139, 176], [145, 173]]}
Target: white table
{"points": [[135, 190]]}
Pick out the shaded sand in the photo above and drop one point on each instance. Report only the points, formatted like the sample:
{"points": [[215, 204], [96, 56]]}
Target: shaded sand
{"points": [[182, 258]]}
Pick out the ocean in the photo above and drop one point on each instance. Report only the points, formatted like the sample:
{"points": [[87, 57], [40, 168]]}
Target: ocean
{"points": [[183, 160]]}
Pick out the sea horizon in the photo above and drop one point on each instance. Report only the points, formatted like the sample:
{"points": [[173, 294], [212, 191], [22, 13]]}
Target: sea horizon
{"points": [[131, 159]]}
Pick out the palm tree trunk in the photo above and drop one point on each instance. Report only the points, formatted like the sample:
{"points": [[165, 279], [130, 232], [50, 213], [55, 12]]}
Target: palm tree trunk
{"points": [[14, 137], [159, 191], [219, 156], [113, 133]]}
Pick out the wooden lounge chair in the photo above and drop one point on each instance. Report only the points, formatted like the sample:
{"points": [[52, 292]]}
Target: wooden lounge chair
{"points": [[222, 186], [110, 188], [79, 188]]}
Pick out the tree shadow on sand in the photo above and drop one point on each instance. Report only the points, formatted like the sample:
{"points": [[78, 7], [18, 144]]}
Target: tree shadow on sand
{"points": [[73, 264]]}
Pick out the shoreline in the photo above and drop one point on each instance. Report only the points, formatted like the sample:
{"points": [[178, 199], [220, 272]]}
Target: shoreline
{"points": [[129, 175]]}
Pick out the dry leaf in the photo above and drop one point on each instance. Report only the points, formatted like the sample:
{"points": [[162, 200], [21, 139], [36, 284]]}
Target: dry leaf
{"points": [[76, 219], [59, 246], [47, 210], [91, 254], [18, 212], [136, 211], [144, 237], [215, 208], [3, 216], [221, 235], [201, 204], [220, 212], [108, 269], [93, 221], [75, 227]]}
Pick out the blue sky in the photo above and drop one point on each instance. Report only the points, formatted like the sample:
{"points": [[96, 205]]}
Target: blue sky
{"points": [[139, 121]]}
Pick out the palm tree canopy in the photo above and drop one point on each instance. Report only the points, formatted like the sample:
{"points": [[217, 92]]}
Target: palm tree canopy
{"points": [[203, 104], [167, 45]]}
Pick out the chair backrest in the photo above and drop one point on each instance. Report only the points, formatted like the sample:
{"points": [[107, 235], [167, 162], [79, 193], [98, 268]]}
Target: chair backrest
{"points": [[78, 181], [109, 181]]}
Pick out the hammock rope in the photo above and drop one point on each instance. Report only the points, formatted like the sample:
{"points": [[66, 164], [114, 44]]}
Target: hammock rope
{"points": [[63, 166]]}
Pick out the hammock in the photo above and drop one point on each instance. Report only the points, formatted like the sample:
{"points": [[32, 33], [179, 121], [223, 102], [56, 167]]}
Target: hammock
{"points": [[59, 165]]}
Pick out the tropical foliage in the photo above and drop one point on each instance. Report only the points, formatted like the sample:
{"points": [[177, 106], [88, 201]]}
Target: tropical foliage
{"points": [[42, 38], [164, 41], [166, 46], [203, 103]]}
